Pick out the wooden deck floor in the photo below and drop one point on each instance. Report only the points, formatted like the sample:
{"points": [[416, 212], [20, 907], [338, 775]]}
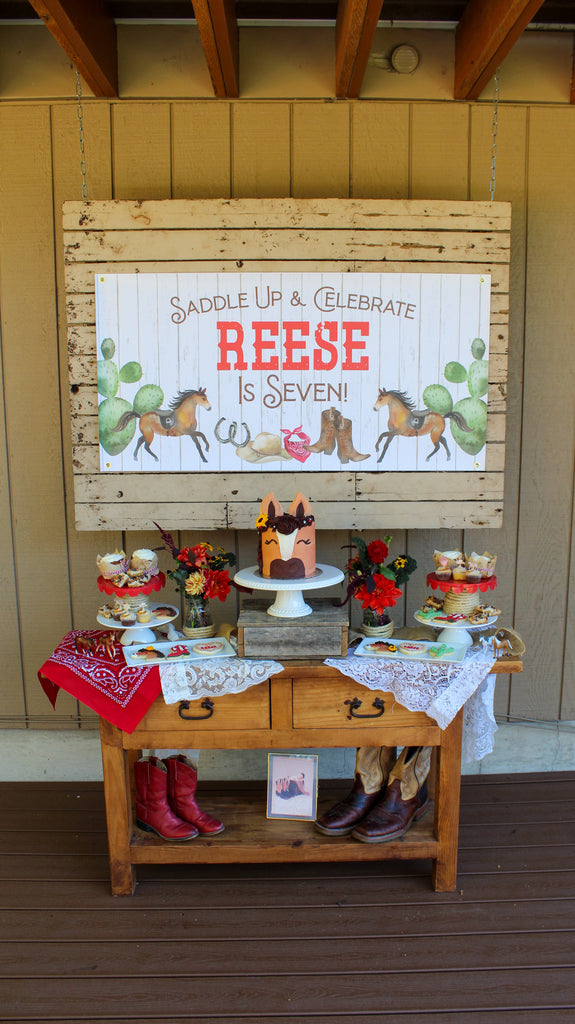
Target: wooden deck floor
{"points": [[310, 944]]}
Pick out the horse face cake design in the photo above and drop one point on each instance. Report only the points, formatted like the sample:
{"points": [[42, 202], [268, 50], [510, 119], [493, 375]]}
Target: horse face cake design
{"points": [[286, 547]]}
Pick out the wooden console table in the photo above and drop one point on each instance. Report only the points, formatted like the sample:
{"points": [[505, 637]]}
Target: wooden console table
{"points": [[304, 706]]}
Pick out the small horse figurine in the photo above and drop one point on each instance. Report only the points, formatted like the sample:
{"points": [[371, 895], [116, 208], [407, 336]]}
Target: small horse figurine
{"points": [[405, 421], [501, 646], [176, 421]]}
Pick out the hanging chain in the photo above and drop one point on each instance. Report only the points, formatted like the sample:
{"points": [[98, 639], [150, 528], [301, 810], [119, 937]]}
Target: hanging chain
{"points": [[494, 127], [81, 130]]}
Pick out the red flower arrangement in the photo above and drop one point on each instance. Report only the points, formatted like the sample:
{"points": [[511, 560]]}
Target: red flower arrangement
{"points": [[372, 582], [200, 574]]}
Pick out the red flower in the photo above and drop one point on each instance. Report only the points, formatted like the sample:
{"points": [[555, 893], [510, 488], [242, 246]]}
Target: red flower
{"points": [[377, 552], [385, 594], [200, 553], [217, 584]]}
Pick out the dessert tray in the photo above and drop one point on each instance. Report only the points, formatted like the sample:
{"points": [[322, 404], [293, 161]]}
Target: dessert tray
{"points": [[412, 650], [166, 652], [439, 620], [160, 614]]}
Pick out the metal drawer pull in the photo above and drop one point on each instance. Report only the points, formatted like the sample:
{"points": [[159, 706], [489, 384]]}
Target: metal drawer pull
{"points": [[206, 703], [355, 702]]}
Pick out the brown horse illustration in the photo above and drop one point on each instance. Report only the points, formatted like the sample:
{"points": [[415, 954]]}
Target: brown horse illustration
{"points": [[176, 421], [405, 421]]}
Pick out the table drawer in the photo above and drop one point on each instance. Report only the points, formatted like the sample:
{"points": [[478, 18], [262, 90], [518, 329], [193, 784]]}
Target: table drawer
{"points": [[237, 711], [333, 703]]}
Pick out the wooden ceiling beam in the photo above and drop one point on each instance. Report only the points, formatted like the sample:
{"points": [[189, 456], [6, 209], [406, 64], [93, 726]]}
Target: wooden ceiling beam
{"points": [[487, 31], [354, 33], [219, 33], [86, 32]]}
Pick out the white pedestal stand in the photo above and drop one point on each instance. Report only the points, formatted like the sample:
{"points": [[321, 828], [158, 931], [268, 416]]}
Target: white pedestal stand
{"points": [[289, 601], [458, 634]]}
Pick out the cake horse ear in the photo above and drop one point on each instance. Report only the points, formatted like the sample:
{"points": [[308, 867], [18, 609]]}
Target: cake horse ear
{"points": [[270, 506], [300, 506]]}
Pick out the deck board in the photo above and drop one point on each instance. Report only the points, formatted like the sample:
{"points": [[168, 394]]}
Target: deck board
{"points": [[307, 943]]}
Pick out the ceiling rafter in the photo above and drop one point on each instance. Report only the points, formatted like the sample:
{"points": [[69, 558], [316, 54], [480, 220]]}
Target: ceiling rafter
{"points": [[487, 31], [86, 32], [219, 34], [354, 33]]}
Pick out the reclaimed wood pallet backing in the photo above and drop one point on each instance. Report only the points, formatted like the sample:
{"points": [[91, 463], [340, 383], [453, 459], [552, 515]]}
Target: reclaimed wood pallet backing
{"points": [[315, 235]]}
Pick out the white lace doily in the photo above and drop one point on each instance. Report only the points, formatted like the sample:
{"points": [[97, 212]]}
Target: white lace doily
{"points": [[189, 680], [440, 690]]}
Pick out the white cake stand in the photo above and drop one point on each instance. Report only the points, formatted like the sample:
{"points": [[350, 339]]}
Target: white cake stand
{"points": [[457, 633], [289, 601], [140, 633]]}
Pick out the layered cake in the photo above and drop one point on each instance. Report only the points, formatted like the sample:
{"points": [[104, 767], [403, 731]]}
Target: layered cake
{"points": [[286, 543]]}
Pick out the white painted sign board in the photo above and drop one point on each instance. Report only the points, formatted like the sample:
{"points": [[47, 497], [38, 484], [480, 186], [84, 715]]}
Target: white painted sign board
{"points": [[292, 372]]}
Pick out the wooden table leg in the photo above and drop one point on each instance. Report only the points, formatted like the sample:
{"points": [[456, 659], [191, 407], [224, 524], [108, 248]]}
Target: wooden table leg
{"points": [[117, 793], [447, 791]]}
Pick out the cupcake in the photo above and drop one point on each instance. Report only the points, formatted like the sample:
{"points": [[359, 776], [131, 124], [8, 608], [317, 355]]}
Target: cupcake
{"points": [[113, 564], [443, 572], [459, 571], [484, 562], [145, 560], [143, 613], [128, 619]]}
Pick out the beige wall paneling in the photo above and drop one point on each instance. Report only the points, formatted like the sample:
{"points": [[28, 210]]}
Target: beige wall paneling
{"points": [[260, 150], [32, 400], [380, 150], [320, 150], [439, 140], [510, 185], [439, 151], [83, 547], [546, 492], [12, 688], [141, 150], [201, 150]]}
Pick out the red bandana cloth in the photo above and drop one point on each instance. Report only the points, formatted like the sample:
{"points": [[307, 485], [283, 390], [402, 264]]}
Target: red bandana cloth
{"points": [[99, 679]]}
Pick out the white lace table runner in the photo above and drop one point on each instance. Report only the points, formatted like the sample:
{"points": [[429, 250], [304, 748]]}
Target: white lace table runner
{"points": [[440, 690], [190, 680]]}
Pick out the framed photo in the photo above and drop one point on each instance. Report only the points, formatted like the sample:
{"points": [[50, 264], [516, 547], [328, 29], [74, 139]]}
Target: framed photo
{"points": [[292, 786]]}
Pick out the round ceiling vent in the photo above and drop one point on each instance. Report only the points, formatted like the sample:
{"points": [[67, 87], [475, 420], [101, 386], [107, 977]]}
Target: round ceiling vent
{"points": [[404, 59]]}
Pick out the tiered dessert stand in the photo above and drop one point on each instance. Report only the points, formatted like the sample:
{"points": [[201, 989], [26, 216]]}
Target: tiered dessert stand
{"points": [[133, 598], [289, 602], [458, 631]]}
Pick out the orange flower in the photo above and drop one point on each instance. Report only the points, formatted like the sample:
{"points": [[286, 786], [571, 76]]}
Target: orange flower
{"points": [[217, 584]]}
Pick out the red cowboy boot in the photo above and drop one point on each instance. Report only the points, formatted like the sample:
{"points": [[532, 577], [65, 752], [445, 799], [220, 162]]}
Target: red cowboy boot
{"points": [[153, 812], [182, 783], [372, 765], [405, 799]]}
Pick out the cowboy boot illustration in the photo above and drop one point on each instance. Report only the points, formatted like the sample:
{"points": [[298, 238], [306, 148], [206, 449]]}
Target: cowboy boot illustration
{"points": [[326, 440], [345, 450]]}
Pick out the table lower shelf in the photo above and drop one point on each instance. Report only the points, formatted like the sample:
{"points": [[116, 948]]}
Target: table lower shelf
{"points": [[251, 838]]}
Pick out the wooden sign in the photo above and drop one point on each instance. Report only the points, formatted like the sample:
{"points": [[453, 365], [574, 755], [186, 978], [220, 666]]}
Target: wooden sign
{"points": [[292, 372], [448, 260]]}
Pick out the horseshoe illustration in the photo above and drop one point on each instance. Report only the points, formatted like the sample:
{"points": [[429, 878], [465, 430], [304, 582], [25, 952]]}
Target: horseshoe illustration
{"points": [[232, 430]]}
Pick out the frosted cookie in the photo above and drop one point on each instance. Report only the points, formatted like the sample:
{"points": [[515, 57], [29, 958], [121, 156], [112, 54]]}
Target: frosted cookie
{"points": [[411, 648], [208, 647]]}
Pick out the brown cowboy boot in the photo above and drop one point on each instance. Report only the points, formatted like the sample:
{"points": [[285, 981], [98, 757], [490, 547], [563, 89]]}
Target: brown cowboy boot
{"points": [[326, 441], [372, 765], [345, 450], [405, 799]]}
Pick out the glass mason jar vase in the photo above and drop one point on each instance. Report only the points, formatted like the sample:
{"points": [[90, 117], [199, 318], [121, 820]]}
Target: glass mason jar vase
{"points": [[197, 617]]}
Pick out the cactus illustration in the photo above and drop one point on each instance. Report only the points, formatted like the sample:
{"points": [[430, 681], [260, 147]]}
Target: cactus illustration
{"points": [[474, 410], [110, 411]]}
